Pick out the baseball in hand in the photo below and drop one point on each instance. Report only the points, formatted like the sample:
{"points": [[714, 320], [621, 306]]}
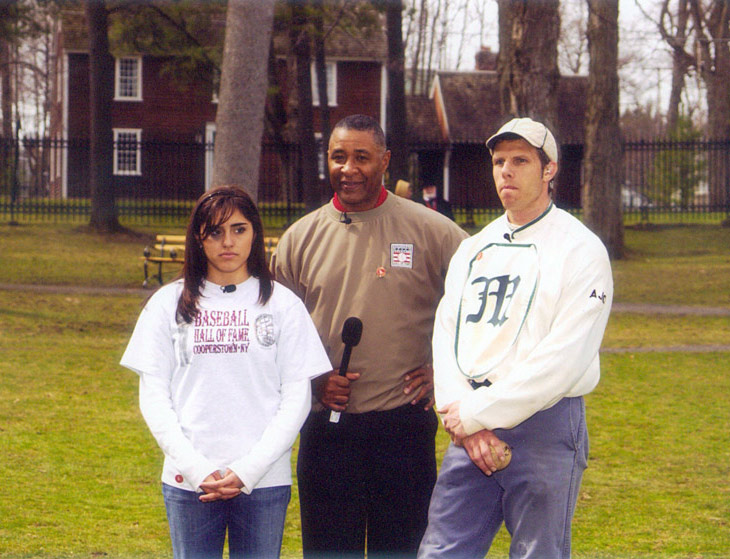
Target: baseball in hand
{"points": [[501, 464]]}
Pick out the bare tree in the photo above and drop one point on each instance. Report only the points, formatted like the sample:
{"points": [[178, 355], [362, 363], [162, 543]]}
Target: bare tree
{"points": [[603, 153], [480, 15], [442, 35], [572, 47], [674, 27], [13, 16], [676, 37], [23, 78], [33, 82], [428, 27], [462, 13], [713, 52], [301, 47], [244, 80], [431, 30], [504, 56], [528, 62], [101, 94], [321, 73], [397, 117], [421, 16], [6, 88]]}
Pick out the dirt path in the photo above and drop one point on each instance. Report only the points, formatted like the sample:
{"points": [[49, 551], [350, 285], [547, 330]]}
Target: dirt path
{"points": [[77, 289], [644, 308]]}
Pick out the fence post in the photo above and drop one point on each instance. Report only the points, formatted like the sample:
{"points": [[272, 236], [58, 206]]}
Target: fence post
{"points": [[726, 221], [14, 184]]}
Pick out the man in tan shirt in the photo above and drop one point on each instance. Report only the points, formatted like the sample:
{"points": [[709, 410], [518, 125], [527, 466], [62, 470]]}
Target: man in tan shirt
{"points": [[373, 255]]}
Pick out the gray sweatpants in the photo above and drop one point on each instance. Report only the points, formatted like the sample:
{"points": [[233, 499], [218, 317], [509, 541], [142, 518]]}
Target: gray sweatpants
{"points": [[534, 496]]}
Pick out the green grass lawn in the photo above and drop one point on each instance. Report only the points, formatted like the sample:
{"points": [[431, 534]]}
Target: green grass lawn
{"points": [[82, 471], [685, 265], [64, 254], [657, 484], [662, 265]]}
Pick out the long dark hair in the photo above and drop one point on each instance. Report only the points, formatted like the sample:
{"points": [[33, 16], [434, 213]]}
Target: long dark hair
{"points": [[214, 208]]}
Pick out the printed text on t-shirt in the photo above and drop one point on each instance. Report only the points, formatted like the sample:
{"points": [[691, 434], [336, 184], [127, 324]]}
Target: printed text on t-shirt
{"points": [[221, 332]]}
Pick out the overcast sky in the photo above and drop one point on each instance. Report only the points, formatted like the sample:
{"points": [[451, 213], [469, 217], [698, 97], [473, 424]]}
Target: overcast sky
{"points": [[645, 77]]}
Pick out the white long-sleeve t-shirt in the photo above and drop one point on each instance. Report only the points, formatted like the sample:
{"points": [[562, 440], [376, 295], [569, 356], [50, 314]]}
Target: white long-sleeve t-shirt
{"points": [[231, 389], [525, 309]]}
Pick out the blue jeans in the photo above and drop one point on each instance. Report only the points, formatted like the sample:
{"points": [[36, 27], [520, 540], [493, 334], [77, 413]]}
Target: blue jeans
{"points": [[534, 496], [255, 523]]}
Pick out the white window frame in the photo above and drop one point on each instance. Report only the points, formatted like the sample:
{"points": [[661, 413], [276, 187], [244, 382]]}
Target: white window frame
{"points": [[322, 163], [209, 143], [331, 69], [126, 170], [60, 74], [118, 93], [216, 87]]}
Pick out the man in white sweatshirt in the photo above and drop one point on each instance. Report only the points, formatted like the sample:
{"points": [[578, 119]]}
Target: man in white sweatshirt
{"points": [[515, 348]]}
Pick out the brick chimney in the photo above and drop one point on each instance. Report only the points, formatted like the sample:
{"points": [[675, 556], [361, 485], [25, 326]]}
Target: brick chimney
{"points": [[486, 59]]}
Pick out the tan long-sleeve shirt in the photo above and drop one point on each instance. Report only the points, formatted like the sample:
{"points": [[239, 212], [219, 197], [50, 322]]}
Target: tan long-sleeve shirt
{"points": [[386, 267]]}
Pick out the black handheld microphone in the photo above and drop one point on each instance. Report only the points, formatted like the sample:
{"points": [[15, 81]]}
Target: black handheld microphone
{"points": [[351, 334]]}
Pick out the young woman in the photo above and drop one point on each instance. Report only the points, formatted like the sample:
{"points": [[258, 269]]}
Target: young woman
{"points": [[225, 357]]}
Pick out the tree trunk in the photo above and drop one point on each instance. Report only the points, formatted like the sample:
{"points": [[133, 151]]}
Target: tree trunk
{"points": [[504, 56], [427, 71], [531, 62], [242, 98], [7, 23], [680, 64], [712, 26], [305, 115], [6, 113], [716, 73], [101, 142], [397, 124], [602, 210], [276, 120], [320, 64], [679, 71], [718, 128], [6, 93], [418, 51]]}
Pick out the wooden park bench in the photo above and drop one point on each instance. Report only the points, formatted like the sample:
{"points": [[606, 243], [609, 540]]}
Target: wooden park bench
{"points": [[170, 249]]}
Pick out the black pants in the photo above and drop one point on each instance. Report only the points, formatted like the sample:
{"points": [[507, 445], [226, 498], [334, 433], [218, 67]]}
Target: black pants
{"points": [[370, 473]]}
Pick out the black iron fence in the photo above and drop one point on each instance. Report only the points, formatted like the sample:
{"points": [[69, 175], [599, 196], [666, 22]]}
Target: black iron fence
{"points": [[157, 182], [153, 181], [677, 180]]}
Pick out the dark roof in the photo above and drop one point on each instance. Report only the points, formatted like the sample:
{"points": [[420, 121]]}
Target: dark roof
{"points": [[345, 44], [423, 126], [472, 107], [73, 26], [471, 104]]}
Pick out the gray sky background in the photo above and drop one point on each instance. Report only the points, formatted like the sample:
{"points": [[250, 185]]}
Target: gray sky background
{"points": [[646, 70]]}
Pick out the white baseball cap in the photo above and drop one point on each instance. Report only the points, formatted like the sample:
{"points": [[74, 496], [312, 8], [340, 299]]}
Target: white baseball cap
{"points": [[534, 133]]}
